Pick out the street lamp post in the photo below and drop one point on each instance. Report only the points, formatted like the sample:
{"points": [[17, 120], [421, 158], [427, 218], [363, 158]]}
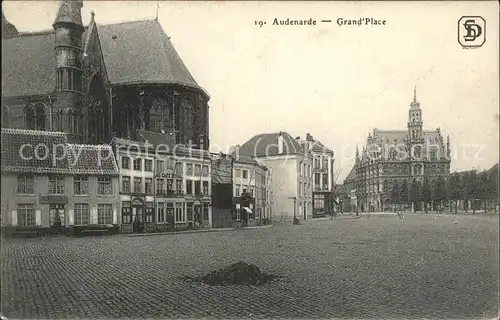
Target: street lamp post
{"points": [[294, 205]]}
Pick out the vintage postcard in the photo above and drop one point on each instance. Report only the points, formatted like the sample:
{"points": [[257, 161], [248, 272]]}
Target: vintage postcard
{"points": [[251, 160]]}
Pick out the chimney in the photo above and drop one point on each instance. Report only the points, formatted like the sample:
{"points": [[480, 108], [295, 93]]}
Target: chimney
{"points": [[280, 143], [235, 150]]}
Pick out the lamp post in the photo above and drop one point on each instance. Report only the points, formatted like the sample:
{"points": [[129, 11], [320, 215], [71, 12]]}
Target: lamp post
{"points": [[294, 205]]}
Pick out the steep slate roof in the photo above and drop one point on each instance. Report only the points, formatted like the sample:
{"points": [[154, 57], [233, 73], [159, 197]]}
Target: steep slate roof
{"points": [[68, 159], [28, 64], [140, 53], [266, 145]]}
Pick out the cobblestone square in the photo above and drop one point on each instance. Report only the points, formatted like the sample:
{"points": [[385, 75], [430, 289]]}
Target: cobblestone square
{"points": [[434, 266]]}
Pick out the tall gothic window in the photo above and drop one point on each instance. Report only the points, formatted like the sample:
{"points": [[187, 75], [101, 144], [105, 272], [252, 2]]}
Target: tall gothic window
{"points": [[72, 120], [98, 112], [187, 120], [160, 116], [35, 117]]}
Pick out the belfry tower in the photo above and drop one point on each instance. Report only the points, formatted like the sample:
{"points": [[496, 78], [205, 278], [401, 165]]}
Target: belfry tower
{"points": [[415, 122], [67, 111]]}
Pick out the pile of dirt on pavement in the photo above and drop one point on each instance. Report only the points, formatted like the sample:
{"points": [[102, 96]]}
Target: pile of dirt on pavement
{"points": [[239, 273]]}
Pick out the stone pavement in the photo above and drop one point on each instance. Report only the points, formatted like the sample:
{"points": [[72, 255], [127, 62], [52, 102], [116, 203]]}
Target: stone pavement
{"points": [[378, 267]]}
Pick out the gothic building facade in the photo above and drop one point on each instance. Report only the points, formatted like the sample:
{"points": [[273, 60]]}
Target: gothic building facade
{"points": [[394, 156], [97, 82]]}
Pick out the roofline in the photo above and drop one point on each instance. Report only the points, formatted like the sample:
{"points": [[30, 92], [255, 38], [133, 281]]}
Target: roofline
{"points": [[138, 83]]}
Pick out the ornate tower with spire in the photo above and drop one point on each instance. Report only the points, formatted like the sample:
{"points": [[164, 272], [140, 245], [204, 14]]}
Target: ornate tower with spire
{"points": [[67, 113], [415, 122]]}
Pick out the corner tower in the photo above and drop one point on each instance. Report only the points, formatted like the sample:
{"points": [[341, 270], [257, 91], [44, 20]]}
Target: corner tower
{"points": [[415, 122], [67, 114]]}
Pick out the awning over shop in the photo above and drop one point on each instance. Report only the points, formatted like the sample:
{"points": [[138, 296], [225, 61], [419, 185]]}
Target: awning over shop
{"points": [[248, 210]]}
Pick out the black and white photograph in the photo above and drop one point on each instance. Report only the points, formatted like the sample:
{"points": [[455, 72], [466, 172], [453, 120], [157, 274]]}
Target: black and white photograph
{"points": [[250, 160]]}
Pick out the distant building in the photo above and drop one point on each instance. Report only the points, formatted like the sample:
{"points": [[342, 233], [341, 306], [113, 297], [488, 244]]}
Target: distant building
{"points": [[350, 189], [323, 182], [291, 167], [52, 186], [252, 183], [394, 156]]}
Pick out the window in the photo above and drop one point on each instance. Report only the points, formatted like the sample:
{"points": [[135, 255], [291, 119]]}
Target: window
{"points": [[161, 212], [137, 184], [190, 206], [170, 213], [137, 164], [104, 186], [251, 192], [40, 117], [197, 170], [170, 164], [197, 187], [244, 190], [325, 163], [179, 213], [160, 186], [305, 190], [245, 174], [126, 212], [82, 214], [189, 169], [56, 214], [159, 166], [205, 211], [237, 212], [178, 169], [189, 186], [125, 163], [300, 189], [317, 179], [178, 186], [25, 185], [149, 185], [237, 191], [125, 184], [170, 185], [81, 185], [205, 171], [149, 212], [56, 185], [104, 214], [26, 215], [317, 163], [325, 180], [237, 173], [148, 165], [205, 188]]}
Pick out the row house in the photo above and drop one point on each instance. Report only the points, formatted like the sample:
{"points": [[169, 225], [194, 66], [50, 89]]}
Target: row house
{"points": [[286, 158], [51, 186], [252, 190], [323, 179], [162, 184]]}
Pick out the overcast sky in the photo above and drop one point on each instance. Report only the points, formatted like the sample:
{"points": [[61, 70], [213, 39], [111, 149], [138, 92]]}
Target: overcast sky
{"points": [[337, 83]]}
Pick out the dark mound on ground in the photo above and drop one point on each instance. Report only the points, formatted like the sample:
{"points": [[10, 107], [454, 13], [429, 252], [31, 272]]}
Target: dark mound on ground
{"points": [[239, 273]]}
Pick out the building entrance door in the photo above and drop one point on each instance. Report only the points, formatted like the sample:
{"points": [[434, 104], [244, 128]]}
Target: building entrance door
{"points": [[138, 218]]}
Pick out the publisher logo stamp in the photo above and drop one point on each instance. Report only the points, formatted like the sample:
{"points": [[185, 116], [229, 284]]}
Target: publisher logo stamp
{"points": [[471, 31]]}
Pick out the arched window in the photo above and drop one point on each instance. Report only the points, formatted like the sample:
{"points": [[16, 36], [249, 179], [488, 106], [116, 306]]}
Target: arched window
{"points": [[160, 116], [40, 116], [72, 120], [29, 118], [385, 187], [187, 120]]}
